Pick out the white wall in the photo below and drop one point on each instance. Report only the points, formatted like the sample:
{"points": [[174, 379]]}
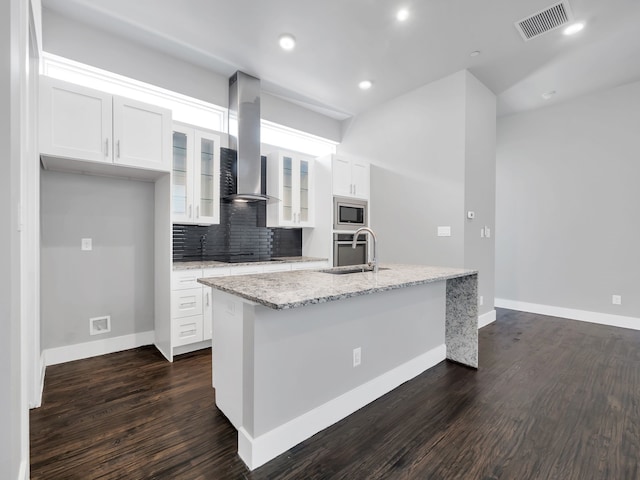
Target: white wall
{"points": [[420, 145], [567, 227], [416, 145], [480, 186], [71, 39], [117, 277]]}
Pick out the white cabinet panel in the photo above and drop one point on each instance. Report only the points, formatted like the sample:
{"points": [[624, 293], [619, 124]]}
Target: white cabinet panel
{"points": [[342, 184], [75, 121], [142, 134], [360, 173], [187, 330], [207, 318], [350, 178], [183, 279], [186, 303]]}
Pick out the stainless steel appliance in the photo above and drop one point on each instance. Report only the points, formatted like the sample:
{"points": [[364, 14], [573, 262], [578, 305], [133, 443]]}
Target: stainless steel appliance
{"points": [[349, 214], [345, 254]]}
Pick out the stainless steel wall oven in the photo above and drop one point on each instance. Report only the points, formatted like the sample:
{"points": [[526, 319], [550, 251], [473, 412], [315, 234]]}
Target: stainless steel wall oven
{"points": [[344, 254]]}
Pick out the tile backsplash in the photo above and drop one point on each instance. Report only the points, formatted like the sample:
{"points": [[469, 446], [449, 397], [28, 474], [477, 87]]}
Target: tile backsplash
{"points": [[241, 235]]}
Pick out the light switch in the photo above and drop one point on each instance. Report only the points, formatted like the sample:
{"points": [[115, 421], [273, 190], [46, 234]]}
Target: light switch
{"points": [[444, 231], [86, 244]]}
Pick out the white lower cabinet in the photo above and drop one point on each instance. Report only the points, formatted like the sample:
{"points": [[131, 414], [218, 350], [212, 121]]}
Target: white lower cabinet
{"points": [[187, 330], [192, 302]]}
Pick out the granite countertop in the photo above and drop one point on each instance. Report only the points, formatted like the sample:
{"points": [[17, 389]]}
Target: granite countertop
{"points": [[293, 289], [215, 264]]}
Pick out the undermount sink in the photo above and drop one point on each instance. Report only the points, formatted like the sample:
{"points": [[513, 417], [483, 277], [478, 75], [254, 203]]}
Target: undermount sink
{"points": [[347, 271]]}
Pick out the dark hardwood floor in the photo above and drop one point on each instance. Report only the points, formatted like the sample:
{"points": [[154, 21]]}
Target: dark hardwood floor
{"points": [[553, 399]]}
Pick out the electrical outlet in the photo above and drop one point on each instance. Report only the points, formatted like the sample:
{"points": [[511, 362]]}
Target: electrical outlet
{"points": [[444, 231], [481, 300], [357, 356], [616, 299], [482, 232], [487, 232], [86, 244]]}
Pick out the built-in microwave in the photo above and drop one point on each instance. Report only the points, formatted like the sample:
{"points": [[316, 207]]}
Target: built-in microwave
{"points": [[349, 214]]}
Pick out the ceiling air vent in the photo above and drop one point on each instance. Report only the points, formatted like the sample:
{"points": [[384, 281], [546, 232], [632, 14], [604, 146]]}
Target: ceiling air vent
{"points": [[545, 20]]}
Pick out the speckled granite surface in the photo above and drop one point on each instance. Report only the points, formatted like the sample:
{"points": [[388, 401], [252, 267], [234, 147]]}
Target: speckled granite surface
{"points": [[461, 320], [299, 288], [213, 264]]}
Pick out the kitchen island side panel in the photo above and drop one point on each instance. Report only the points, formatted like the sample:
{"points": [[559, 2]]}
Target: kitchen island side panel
{"points": [[303, 358], [461, 322]]}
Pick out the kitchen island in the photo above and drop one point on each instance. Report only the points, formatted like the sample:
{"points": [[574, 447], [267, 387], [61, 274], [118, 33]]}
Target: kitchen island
{"points": [[295, 352]]}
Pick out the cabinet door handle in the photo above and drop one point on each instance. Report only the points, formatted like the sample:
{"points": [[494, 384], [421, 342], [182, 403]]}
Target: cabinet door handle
{"points": [[207, 298], [188, 333], [198, 211], [354, 188], [187, 304], [118, 148], [106, 143], [190, 210]]}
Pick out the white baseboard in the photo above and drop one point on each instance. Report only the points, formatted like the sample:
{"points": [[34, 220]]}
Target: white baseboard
{"points": [[69, 353], [191, 348], [572, 314], [258, 451], [486, 318]]}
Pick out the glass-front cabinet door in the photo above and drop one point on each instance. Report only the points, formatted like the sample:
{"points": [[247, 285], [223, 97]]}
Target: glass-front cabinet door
{"points": [[290, 180], [287, 190], [303, 172], [195, 176], [181, 177], [207, 200]]}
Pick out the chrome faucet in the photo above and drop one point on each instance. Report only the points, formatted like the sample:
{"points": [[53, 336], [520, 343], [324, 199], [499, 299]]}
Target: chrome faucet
{"points": [[374, 260]]}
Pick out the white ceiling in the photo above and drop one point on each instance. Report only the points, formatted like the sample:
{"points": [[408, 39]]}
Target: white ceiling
{"points": [[341, 42]]}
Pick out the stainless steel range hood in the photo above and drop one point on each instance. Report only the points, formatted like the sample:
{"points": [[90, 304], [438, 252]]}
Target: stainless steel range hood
{"points": [[244, 111]]}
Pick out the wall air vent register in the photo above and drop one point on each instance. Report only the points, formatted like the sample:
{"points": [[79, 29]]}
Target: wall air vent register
{"points": [[544, 21]]}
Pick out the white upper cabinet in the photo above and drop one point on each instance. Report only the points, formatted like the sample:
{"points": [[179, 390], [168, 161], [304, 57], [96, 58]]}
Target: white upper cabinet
{"points": [[350, 178], [142, 134], [75, 121], [195, 176], [87, 125], [290, 179]]}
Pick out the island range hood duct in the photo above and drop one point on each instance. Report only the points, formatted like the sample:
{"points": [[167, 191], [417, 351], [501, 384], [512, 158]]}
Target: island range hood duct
{"points": [[244, 136]]}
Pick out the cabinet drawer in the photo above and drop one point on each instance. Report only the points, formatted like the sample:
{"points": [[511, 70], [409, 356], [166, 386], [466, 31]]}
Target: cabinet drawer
{"points": [[186, 330], [185, 303], [183, 279]]}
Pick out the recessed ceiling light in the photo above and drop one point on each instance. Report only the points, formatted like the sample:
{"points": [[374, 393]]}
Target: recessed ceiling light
{"points": [[365, 84], [575, 28], [475, 53], [402, 15], [287, 41], [549, 94]]}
